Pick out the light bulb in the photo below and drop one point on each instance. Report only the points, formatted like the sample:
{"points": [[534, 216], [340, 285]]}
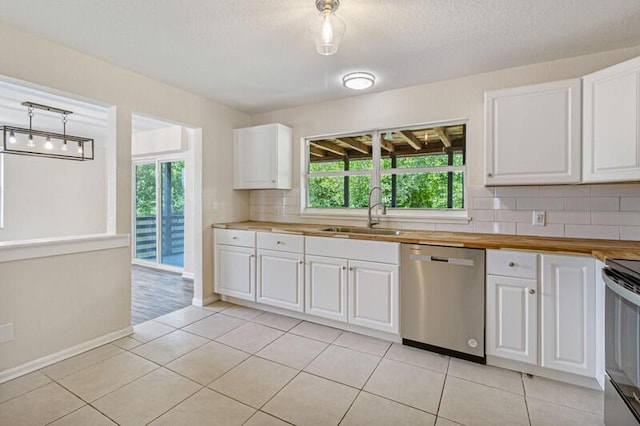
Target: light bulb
{"points": [[48, 145], [30, 142], [64, 148], [79, 147], [327, 28], [12, 137]]}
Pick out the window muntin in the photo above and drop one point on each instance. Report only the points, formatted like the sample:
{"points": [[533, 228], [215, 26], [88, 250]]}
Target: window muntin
{"points": [[418, 168]]}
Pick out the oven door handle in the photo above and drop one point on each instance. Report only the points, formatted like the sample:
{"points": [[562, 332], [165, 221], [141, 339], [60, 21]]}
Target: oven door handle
{"points": [[620, 290]]}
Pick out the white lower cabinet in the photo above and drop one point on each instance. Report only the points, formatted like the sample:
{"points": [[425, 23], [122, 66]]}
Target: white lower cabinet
{"points": [[550, 322], [280, 279], [512, 318], [235, 271], [373, 295], [326, 287], [568, 314]]}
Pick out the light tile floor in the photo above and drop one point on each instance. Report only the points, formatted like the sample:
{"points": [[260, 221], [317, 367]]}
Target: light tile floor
{"points": [[230, 365]]}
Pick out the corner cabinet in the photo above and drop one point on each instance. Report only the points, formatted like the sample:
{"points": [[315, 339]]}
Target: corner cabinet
{"points": [[532, 134], [262, 157], [234, 263], [611, 123]]}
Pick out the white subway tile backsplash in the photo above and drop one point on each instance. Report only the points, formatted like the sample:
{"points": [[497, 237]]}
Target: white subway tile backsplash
{"points": [[483, 215], [565, 191], [514, 216], [592, 204], [517, 191], [551, 230], [452, 227], [494, 228], [622, 190], [578, 218], [578, 211], [538, 203], [494, 203], [592, 231], [615, 218], [481, 191], [630, 233], [630, 204]]}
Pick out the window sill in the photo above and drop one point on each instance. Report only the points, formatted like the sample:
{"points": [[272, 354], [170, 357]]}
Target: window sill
{"points": [[392, 216]]}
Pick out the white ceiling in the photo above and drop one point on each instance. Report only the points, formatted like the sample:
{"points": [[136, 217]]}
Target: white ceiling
{"points": [[256, 55]]}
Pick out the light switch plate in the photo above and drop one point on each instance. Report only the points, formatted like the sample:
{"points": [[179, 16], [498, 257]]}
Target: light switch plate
{"points": [[6, 332]]}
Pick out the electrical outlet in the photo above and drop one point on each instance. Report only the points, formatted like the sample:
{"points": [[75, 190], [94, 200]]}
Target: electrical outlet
{"points": [[539, 218], [6, 332]]}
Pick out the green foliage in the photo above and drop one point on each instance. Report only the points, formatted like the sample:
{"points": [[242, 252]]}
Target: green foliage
{"points": [[414, 190], [146, 188]]}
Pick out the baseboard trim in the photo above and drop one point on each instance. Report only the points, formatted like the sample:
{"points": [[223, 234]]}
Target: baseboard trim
{"points": [[39, 363], [200, 302], [188, 276]]}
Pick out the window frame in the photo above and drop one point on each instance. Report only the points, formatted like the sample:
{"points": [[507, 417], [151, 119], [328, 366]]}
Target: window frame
{"points": [[393, 213]]}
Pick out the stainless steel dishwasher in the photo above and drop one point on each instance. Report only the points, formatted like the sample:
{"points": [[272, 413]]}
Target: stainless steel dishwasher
{"points": [[442, 300]]}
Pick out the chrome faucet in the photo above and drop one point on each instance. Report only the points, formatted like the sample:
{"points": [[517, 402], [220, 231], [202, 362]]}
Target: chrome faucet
{"points": [[370, 222]]}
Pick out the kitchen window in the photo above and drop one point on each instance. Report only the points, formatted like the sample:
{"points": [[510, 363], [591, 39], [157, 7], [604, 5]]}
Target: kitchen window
{"points": [[421, 169]]}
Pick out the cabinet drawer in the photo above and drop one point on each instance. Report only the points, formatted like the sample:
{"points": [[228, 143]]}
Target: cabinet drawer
{"points": [[235, 237], [512, 264], [280, 242], [372, 251]]}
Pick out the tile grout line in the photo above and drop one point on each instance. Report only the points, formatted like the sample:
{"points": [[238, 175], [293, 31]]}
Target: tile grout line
{"points": [[526, 402], [444, 383]]}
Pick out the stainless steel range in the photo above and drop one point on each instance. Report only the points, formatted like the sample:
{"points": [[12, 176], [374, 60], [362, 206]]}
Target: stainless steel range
{"points": [[622, 351]]}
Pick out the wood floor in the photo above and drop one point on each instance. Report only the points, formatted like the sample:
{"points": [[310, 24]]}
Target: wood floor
{"points": [[155, 293]]}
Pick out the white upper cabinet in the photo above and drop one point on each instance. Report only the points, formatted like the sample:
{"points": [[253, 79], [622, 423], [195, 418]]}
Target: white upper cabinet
{"points": [[532, 134], [611, 124], [262, 157]]}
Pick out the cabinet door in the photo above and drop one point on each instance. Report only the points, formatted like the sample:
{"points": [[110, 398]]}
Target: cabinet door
{"points": [[373, 295], [255, 151], [568, 310], [281, 279], [512, 318], [532, 134], [235, 271], [326, 287], [611, 117]]}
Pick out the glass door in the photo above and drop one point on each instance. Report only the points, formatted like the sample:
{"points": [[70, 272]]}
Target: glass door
{"points": [[159, 213], [172, 219], [146, 247]]}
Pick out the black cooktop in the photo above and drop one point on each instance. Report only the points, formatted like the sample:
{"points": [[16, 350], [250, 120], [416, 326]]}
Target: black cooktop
{"points": [[629, 269]]}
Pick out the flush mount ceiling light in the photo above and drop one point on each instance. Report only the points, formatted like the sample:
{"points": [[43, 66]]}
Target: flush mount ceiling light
{"points": [[39, 143], [358, 80], [327, 29]]}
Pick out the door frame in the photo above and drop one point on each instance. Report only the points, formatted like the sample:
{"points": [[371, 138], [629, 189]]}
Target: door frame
{"points": [[157, 160]]}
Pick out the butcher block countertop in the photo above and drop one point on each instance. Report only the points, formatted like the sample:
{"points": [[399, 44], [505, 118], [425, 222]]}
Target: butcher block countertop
{"points": [[601, 249]]}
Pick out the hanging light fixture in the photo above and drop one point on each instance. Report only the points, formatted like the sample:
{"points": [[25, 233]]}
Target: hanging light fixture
{"points": [[327, 29], [22, 141]]}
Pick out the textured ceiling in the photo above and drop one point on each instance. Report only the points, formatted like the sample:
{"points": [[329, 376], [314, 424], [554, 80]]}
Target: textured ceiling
{"points": [[256, 55]]}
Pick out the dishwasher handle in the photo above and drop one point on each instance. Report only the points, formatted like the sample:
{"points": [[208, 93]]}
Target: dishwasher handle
{"points": [[450, 260]]}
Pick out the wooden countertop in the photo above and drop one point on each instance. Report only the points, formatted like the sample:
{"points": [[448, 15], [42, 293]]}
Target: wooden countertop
{"points": [[601, 249]]}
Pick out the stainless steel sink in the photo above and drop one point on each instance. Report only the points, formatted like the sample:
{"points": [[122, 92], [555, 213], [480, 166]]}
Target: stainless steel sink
{"points": [[356, 230]]}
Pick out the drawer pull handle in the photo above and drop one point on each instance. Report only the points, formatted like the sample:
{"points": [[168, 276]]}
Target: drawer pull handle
{"points": [[279, 242], [489, 174], [512, 264], [300, 262], [532, 291], [351, 269], [344, 268], [252, 256], [234, 238]]}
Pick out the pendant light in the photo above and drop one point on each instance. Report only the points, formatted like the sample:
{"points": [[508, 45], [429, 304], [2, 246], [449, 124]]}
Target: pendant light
{"points": [[327, 29]]}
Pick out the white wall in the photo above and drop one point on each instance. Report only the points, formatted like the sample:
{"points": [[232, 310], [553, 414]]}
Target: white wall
{"points": [[47, 197], [159, 141], [462, 98], [51, 66]]}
